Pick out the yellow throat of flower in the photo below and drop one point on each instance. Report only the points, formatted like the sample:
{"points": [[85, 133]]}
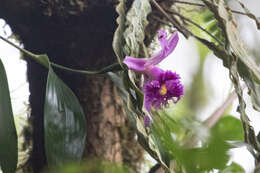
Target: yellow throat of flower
{"points": [[163, 90]]}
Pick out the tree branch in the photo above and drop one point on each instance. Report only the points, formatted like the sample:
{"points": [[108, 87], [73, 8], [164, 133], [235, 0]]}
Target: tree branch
{"points": [[195, 24], [184, 31], [202, 5]]}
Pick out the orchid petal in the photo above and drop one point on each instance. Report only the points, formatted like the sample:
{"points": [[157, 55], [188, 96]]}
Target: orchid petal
{"points": [[137, 64], [162, 37], [153, 73], [172, 43], [167, 48]]}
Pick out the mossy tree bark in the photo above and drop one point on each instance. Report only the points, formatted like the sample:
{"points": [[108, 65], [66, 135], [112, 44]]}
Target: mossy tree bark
{"points": [[76, 34]]}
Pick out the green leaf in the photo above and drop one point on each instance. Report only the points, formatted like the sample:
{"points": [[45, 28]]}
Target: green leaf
{"points": [[211, 156], [229, 128], [64, 123], [8, 136], [118, 40], [233, 168], [136, 22], [207, 20]]}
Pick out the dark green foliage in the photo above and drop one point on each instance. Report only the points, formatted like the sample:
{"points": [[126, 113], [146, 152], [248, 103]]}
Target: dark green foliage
{"points": [[8, 135], [64, 123], [229, 128], [211, 24], [212, 154]]}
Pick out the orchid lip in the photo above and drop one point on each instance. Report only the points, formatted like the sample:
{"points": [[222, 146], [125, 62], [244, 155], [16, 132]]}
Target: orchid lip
{"points": [[163, 89]]}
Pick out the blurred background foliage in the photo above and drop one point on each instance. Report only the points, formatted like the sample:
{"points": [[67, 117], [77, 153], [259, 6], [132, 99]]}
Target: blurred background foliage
{"points": [[91, 166]]}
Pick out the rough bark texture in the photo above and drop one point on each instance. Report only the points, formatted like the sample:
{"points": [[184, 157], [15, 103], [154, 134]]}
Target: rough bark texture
{"points": [[76, 34]]}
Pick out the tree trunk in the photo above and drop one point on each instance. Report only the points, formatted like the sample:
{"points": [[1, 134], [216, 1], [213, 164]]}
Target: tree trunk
{"points": [[75, 34]]}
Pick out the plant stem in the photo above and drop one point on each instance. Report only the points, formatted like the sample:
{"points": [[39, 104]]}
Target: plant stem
{"points": [[202, 5], [112, 67], [162, 21], [195, 24], [189, 3], [215, 116], [26, 52], [184, 29], [174, 22]]}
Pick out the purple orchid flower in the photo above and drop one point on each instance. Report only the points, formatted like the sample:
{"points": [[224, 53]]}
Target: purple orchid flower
{"points": [[159, 86]]}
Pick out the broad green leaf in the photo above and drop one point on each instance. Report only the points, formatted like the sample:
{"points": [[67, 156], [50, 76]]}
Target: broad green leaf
{"points": [[229, 128], [233, 168], [64, 123], [136, 22], [213, 155], [207, 21], [8, 135]]}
